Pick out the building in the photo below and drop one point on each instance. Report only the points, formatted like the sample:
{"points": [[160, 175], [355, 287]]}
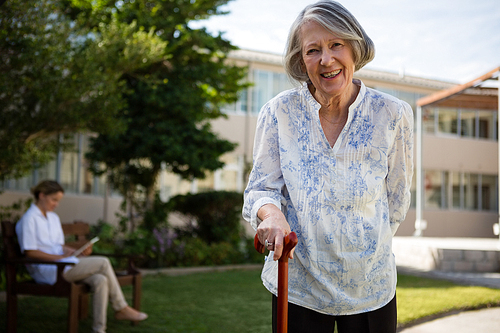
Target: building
{"points": [[457, 159], [459, 165]]}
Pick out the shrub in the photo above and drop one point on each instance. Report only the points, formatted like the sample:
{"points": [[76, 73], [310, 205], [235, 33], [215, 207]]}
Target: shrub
{"points": [[217, 215], [12, 213], [157, 215]]}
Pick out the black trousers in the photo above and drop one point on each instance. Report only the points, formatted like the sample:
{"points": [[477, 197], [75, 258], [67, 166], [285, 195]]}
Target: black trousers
{"points": [[303, 320]]}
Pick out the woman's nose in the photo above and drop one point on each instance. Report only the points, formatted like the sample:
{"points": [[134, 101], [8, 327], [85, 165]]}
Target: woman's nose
{"points": [[327, 57]]}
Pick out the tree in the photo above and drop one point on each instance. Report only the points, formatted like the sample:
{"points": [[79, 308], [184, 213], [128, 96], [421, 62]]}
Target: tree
{"points": [[58, 76], [168, 114]]}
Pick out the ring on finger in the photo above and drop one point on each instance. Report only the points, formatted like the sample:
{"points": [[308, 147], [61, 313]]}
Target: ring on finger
{"points": [[268, 244]]}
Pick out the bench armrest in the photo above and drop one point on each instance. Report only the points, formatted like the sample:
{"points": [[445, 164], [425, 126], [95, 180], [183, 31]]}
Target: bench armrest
{"points": [[26, 261]]}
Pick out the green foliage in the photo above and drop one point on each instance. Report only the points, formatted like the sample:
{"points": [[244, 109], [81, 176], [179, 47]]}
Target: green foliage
{"points": [[108, 236], [171, 103], [169, 249], [140, 242], [58, 75], [217, 215], [14, 211], [199, 253], [422, 297], [157, 215], [216, 238]]}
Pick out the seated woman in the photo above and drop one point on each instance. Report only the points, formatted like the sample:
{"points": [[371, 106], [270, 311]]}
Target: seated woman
{"points": [[41, 236]]}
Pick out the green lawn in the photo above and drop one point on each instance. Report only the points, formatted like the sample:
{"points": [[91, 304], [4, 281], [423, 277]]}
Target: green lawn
{"points": [[235, 301], [419, 298]]}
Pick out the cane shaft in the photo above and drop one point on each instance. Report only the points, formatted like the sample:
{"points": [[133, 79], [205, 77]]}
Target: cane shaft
{"points": [[289, 243], [282, 296]]}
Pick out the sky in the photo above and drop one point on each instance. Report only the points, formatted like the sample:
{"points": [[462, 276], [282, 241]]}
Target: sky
{"points": [[450, 40]]}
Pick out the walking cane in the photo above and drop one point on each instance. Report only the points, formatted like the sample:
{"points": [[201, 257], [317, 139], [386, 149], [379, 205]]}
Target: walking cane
{"points": [[289, 243]]}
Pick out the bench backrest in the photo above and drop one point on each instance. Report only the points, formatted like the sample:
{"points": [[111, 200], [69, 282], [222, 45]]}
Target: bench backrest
{"points": [[76, 233], [11, 247]]}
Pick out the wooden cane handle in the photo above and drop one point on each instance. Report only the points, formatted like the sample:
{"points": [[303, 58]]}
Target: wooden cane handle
{"points": [[258, 245], [288, 244]]}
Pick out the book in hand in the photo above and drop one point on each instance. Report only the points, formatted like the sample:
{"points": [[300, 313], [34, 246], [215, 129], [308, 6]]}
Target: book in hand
{"points": [[80, 250]]}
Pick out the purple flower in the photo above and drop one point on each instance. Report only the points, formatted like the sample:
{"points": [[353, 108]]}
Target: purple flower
{"points": [[165, 238]]}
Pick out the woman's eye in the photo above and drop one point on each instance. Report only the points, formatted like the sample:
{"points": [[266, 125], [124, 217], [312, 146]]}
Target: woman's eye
{"points": [[311, 51]]}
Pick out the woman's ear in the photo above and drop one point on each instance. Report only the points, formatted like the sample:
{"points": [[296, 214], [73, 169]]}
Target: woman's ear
{"points": [[303, 66]]}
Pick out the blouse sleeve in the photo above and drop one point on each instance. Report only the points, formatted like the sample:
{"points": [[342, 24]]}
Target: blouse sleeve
{"points": [[58, 229], [266, 182], [26, 233], [400, 171]]}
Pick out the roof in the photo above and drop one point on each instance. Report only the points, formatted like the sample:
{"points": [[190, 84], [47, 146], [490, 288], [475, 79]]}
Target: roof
{"points": [[476, 94], [364, 73], [268, 58], [402, 79]]}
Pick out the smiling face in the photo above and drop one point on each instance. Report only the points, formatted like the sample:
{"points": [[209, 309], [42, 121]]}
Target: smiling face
{"points": [[328, 61], [49, 202]]}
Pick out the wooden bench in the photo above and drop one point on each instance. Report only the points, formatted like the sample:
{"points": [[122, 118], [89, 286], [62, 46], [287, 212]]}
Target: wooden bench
{"points": [[77, 293]]}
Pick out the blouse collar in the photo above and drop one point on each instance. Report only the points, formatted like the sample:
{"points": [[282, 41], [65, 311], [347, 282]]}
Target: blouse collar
{"points": [[313, 102]]}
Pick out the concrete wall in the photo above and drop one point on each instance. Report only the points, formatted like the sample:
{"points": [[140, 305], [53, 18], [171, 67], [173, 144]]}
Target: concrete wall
{"points": [[452, 223], [463, 155], [447, 254], [237, 128], [74, 207]]}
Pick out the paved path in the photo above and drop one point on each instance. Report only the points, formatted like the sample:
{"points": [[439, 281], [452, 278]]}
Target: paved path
{"points": [[477, 321], [490, 280]]}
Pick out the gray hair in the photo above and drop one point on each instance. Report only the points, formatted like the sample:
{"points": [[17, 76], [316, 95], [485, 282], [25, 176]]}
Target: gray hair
{"points": [[340, 22]]}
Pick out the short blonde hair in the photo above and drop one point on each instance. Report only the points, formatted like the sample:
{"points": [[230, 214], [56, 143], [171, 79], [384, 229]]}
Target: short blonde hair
{"points": [[340, 22]]}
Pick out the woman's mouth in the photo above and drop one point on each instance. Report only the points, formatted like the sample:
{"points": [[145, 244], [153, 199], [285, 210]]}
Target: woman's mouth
{"points": [[331, 74]]}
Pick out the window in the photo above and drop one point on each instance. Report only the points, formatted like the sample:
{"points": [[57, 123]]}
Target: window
{"points": [[407, 96], [435, 189], [468, 124], [69, 165], [266, 86], [429, 120], [456, 190], [69, 168], [489, 186], [471, 188], [486, 125], [240, 106], [474, 191], [447, 121]]}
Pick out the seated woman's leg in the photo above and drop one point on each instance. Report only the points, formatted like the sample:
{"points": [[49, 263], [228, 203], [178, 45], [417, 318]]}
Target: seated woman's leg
{"points": [[92, 265], [99, 285], [89, 266]]}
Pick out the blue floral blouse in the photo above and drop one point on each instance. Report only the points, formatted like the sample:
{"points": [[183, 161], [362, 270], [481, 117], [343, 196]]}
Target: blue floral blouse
{"points": [[345, 203]]}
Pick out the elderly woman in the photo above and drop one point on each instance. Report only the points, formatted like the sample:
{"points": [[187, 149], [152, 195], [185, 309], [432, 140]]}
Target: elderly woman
{"points": [[333, 163], [40, 236]]}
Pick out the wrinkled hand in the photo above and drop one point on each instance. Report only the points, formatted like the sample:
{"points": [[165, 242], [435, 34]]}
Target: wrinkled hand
{"points": [[273, 228]]}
